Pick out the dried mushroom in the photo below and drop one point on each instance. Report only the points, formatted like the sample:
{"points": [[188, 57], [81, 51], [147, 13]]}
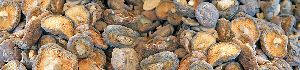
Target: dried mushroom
{"points": [[93, 33], [270, 8], [124, 59], [118, 17], [163, 31], [44, 4], [202, 41], [33, 13], [194, 56], [281, 64], [227, 8], [286, 7], [222, 52], [245, 27], [164, 8], [162, 61], [95, 11], [186, 7], [189, 21], [119, 36], [143, 24], [157, 44], [100, 26], [32, 33], [96, 61], [46, 39], [58, 25], [274, 44], [224, 30], [180, 52], [185, 38], [78, 14], [80, 45], [28, 5], [10, 14], [52, 56], [261, 57], [99, 57], [207, 15], [57, 6], [293, 50], [150, 34], [150, 15], [249, 7], [247, 56], [9, 51], [288, 21]]}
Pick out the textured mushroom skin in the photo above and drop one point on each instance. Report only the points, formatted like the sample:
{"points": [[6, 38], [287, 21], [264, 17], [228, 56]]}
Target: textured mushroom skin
{"points": [[163, 60], [52, 56], [124, 59], [81, 45], [207, 14], [10, 15], [119, 36]]}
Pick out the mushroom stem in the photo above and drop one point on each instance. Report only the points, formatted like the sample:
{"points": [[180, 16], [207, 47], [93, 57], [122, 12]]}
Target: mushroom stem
{"points": [[277, 41]]}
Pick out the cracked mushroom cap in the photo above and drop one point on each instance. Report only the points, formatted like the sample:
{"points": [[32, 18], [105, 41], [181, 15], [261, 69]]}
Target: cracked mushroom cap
{"points": [[222, 52], [245, 27], [58, 25], [162, 61], [9, 15], [52, 56], [202, 41], [274, 44]]}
